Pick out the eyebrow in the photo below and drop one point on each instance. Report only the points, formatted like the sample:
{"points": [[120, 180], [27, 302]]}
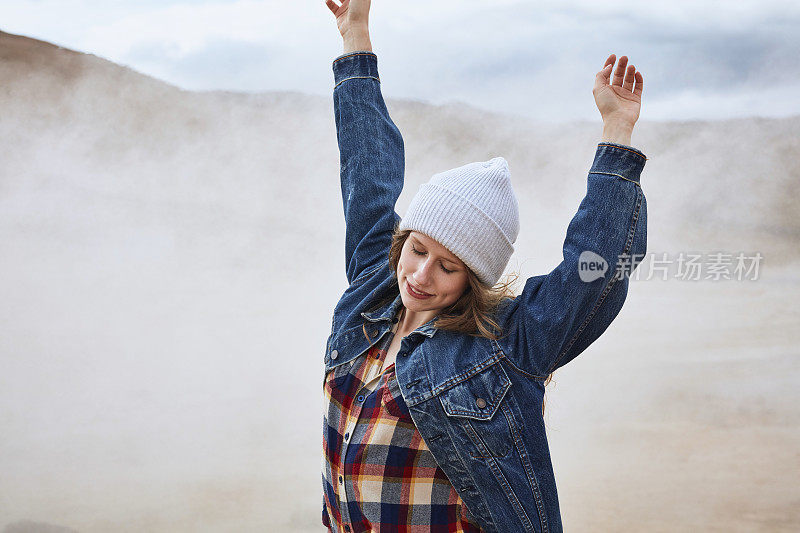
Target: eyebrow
{"points": [[444, 258]]}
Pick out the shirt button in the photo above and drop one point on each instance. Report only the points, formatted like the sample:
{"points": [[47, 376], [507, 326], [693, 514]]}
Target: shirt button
{"points": [[360, 398], [481, 403], [334, 354], [346, 436], [341, 480]]}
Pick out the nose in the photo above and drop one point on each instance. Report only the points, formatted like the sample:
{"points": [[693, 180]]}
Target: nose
{"points": [[423, 275]]}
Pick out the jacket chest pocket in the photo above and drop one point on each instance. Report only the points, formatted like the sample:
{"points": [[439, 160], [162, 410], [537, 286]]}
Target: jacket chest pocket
{"points": [[475, 405]]}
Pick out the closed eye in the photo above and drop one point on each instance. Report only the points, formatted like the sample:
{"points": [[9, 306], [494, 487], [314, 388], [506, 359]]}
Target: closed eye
{"points": [[423, 253]]}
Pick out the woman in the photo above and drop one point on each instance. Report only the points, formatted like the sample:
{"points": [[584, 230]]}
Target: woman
{"points": [[435, 374]]}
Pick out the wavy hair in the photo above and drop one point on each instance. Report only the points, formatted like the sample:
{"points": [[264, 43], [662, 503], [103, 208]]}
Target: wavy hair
{"points": [[473, 313]]}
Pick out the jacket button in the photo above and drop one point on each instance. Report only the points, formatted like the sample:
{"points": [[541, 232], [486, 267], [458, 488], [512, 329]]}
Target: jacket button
{"points": [[334, 354], [374, 332], [481, 403]]}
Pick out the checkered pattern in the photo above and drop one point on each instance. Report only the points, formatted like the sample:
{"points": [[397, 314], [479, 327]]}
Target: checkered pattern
{"points": [[377, 472]]}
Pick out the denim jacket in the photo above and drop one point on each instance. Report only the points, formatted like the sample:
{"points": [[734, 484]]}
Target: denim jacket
{"points": [[477, 402]]}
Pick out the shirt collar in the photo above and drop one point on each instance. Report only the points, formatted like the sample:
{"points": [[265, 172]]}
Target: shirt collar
{"points": [[389, 311]]}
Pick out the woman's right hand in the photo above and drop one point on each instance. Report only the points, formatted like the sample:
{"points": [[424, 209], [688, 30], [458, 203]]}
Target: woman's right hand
{"points": [[352, 19], [619, 102]]}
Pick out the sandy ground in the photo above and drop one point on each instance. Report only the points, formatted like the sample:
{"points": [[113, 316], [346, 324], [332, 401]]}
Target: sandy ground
{"points": [[696, 424], [167, 408], [169, 262]]}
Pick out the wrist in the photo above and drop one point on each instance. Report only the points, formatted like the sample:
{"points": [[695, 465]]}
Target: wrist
{"points": [[617, 132], [356, 39]]}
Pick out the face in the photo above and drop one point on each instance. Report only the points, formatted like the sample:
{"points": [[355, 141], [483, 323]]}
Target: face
{"points": [[429, 267]]}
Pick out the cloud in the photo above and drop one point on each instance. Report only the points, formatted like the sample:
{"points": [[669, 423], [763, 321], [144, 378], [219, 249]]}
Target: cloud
{"points": [[236, 65], [537, 59]]}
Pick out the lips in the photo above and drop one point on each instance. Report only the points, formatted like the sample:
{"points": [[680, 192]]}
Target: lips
{"points": [[413, 292]]}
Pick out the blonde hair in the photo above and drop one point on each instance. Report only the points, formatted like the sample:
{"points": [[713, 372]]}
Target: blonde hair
{"points": [[473, 312]]}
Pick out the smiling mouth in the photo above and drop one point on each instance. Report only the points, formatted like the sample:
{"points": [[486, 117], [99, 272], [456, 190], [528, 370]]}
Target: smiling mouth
{"points": [[415, 291]]}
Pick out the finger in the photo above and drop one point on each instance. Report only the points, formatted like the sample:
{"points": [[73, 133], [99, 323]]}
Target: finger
{"points": [[610, 60], [336, 8], [608, 67], [639, 84], [603, 75], [619, 73], [628, 83]]}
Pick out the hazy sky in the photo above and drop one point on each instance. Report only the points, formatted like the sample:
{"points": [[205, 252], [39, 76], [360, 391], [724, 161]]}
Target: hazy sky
{"points": [[700, 60]]}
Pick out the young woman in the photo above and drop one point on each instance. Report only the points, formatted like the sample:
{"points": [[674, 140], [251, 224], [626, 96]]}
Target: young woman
{"points": [[435, 373]]}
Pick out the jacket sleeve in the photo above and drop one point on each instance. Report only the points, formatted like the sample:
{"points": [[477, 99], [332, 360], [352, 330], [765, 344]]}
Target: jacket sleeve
{"points": [[558, 315], [372, 162]]}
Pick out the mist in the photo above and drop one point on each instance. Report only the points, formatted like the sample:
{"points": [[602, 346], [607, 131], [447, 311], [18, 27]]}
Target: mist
{"points": [[170, 261]]}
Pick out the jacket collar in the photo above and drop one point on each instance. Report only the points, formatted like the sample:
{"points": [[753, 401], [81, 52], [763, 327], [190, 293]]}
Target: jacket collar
{"points": [[389, 311]]}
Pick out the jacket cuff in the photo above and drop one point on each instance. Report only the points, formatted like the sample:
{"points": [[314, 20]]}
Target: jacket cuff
{"points": [[355, 65], [619, 160]]}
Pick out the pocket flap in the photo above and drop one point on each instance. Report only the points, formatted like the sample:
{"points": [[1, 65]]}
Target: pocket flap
{"points": [[478, 396]]}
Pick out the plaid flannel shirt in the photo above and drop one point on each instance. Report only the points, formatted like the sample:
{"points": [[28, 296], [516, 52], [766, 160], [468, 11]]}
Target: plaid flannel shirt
{"points": [[377, 472]]}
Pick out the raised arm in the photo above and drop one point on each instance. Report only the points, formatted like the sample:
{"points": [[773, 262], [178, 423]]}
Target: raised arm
{"points": [[371, 151], [560, 314]]}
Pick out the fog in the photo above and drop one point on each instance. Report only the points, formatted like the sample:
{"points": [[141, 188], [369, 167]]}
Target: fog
{"points": [[169, 263]]}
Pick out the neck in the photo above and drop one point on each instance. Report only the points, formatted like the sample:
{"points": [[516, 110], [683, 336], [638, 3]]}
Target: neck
{"points": [[411, 320]]}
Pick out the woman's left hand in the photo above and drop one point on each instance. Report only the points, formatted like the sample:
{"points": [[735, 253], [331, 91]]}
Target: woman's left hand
{"points": [[619, 101]]}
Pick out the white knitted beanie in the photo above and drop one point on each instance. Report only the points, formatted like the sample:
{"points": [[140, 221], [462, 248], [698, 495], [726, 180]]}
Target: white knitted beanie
{"points": [[472, 211]]}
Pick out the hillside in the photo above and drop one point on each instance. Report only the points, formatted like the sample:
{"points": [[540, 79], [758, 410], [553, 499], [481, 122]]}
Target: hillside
{"points": [[101, 139], [170, 261]]}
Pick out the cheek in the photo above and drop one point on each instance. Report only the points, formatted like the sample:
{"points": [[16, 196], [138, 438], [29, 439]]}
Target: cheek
{"points": [[403, 266], [452, 286], [406, 263], [460, 285]]}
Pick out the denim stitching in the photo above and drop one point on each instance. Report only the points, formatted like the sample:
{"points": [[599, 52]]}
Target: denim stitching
{"points": [[344, 337], [365, 274], [523, 456], [358, 78], [451, 433], [480, 444], [628, 245], [613, 174], [515, 367], [459, 378], [373, 54], [492, 463], [506, 386], [623, 148]]}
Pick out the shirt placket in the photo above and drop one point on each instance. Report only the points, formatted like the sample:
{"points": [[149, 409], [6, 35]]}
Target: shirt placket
{"points": [[370, 378]]}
